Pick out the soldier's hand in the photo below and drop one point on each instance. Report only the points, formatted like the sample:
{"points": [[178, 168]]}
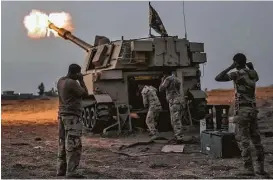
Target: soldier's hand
{"points": [[250, 65], [163, 78], [80, 77], [232, 66]]}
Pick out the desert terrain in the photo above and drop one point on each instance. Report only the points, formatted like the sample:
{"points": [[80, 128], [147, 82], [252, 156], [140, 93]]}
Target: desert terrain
{"points": [[29, 146]]}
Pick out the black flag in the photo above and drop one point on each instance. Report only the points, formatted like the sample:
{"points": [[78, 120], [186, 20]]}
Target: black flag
{"points": [[155, 22]]}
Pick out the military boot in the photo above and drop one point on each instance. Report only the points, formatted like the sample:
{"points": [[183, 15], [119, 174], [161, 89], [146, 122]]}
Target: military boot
{"points": [[175, 141], [248, 169], [60, 173], [172, 141], [75, 176], [61, 169], [260, 170], [246, 172], [155, 136], [179, 141]]}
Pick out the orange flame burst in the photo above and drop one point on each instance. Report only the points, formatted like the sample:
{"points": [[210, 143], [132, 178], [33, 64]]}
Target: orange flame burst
{"points": [[37, 23]]}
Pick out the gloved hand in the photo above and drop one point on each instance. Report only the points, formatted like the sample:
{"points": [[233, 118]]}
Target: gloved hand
{"points": [[250, 65]]}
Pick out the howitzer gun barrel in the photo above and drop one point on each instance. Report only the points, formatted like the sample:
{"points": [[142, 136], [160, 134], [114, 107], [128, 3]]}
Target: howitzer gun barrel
{"points": [[67, 35]]}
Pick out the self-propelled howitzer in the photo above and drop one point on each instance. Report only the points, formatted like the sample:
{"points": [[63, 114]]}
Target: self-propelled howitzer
{"points": [[115, 69]]}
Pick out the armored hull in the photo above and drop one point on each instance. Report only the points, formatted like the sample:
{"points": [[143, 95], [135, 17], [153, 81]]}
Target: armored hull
{"points": [[115, 69]]}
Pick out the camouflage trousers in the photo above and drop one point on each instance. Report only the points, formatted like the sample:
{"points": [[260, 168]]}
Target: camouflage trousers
{"points": [[151, 121], [70, 146], [176, 113], [247, 130]]}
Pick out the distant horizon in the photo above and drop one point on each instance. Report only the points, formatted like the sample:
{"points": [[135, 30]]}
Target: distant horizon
{"points": [[258, 87]]}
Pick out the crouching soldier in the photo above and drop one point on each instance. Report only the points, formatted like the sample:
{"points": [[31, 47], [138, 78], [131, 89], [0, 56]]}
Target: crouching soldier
{"points": [[151, 101]]}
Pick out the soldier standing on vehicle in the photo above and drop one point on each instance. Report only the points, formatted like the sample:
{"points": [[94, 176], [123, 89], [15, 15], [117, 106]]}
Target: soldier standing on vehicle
{"points": [[171, 84], [245, 112], [151, 101], [70, 128]]}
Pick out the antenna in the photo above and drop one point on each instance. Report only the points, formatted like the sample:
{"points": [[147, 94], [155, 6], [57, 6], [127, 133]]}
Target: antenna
{"points": [[185, 27], [150, 34]]}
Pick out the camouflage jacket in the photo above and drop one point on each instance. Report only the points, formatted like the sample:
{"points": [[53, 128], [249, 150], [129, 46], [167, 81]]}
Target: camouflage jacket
{"points": [[245, 84], [70, 97], [172, 87], [150, 98]]}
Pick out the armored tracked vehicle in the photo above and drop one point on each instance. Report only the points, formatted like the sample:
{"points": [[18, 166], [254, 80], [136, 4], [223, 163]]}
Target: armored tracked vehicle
{"points": [[114, 69]]}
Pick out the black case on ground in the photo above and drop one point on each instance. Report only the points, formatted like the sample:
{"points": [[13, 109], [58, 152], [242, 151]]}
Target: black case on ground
{"points": [[219, 144]]}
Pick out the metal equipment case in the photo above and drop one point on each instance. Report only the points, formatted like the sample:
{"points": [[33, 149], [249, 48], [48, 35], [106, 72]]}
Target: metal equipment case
{"points": [[219, 144]]}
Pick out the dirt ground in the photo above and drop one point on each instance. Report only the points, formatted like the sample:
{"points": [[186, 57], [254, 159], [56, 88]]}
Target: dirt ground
{"points": [[29, 146]]}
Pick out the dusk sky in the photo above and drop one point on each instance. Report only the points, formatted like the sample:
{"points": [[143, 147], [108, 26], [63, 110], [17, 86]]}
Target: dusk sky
{"points": [[225, 27]]}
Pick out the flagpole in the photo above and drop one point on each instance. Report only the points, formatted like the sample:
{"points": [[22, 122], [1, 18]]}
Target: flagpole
{"points": [[185, 27], [149, 21]]}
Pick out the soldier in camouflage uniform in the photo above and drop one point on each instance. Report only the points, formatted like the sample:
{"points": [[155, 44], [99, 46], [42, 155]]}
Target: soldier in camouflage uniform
{"points": [[70, 128], [150, 99], [245, 112], [171, 84]]}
